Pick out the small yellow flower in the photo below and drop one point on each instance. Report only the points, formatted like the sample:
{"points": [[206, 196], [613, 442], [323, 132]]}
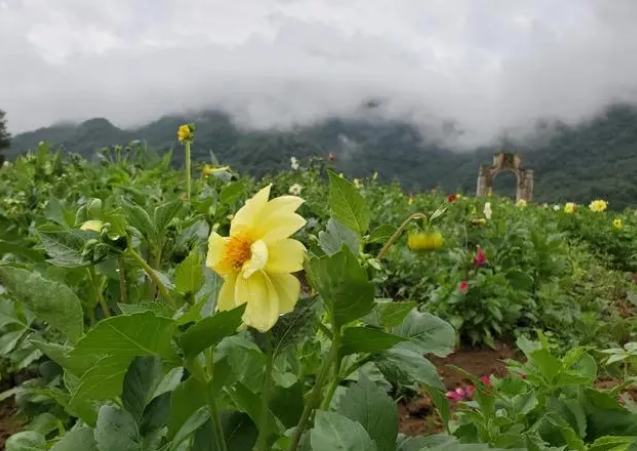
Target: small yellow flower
{"points": [[357, 184], [94, 224], [258, 258], [432, 241], [598, 205], [569, 208], [521, 203], [209, 169], [458, 196], [618, 223], [185, 133]]}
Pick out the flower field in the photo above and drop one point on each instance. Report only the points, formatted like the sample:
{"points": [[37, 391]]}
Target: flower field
{"points": [[145, 308]]}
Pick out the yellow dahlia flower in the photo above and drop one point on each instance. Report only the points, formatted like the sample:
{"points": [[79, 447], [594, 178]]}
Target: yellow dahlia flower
{"points": [[598, 205], [569, 208], [618, 223], [521, 203], [257, 259], [94, 224], [184, 133], [425, 241]]}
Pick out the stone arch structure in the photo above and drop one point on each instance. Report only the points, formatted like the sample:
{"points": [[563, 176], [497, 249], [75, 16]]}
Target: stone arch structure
{"points": [[506, 162]]}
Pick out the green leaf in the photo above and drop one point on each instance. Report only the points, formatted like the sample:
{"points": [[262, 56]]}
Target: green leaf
{"points": [[294, 327], [404, 366], [238, 429], [210, 331], [369, 405], [166, 212], [129, 336], [117, 430], [64, 246], [140, 383], [389, 313], [334, 432], [427, 334], [189, 276], [51, 301], [336, 235], [194, 422], [60, 355], [232, 192], [103, 381], [347, 205], [381, 234], [287, 403], [342, 283], [7, 247], [139, 218], [26, 441], [366, 339], [77, 439], [184, 401]]}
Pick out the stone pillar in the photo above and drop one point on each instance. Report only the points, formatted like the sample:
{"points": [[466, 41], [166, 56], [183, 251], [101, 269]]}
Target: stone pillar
{"points": [[528, 185], [483, 182]]}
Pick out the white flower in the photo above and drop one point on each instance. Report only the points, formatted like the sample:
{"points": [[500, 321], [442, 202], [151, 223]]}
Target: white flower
{"points": [[295, 189], [557, 207], [294, 163], [487, 210]]}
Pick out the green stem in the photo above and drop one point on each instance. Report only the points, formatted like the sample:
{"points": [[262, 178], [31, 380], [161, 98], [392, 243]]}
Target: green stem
{"points": [[153, 276], [98, 292], [399, 232], [123, 290], [262, 441], [205, 378], [315, 396], [187, 148], [336, 380]]}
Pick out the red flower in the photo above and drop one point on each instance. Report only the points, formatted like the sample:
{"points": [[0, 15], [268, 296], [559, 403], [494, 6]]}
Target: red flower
{"points": [[486, 380], [331, 157], [464, 286], [470, 389], [480, 258], [452, 198]]}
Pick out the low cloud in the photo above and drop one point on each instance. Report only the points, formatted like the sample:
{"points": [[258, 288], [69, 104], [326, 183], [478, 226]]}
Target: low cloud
{"points": [[488, 65]]}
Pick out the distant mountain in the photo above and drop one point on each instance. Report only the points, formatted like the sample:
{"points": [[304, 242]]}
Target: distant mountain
{"points": [[595, 159]]}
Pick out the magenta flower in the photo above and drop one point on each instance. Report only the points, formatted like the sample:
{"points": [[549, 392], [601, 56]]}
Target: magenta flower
{"points": [[480, 258]]}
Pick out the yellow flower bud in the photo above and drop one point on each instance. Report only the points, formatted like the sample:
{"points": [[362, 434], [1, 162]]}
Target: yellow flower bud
{"points": [[618, 223], [94, 225], [185, 133], [431, 241]]}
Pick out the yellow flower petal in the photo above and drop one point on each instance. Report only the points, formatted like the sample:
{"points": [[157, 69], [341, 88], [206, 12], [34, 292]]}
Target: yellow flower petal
{"points": [[258, 260], [281, 227], [288, 289], [285, 256], [248, 215], [94, 224], [214, 259], [226, 300], [262, 310]]}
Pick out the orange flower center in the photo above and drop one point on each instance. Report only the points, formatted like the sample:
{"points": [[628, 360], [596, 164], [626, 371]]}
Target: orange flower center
{"points": [[237, 251]]}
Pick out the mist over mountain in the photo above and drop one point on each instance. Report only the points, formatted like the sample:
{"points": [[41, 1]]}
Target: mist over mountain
{"points": [[595, 159]]}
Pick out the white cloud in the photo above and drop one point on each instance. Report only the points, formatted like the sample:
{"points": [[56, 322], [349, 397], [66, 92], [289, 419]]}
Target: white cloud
{"points": [[489, 64]]}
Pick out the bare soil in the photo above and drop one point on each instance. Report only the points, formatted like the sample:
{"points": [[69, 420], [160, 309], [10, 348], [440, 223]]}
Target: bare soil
{"points": [[9, 422]]}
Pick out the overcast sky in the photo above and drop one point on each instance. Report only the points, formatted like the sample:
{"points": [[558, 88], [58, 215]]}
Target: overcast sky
{"points": [[489, 64]]}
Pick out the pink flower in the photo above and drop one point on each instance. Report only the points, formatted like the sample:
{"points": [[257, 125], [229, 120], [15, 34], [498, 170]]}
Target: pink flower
{"points": [[470, 390], [456, 395], [480, 258], [464, 286]]}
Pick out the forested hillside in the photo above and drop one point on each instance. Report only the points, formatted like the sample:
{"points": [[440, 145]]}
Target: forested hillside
{"points": [[596, 159]]}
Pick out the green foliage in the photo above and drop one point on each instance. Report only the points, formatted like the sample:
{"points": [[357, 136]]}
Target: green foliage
{"points": [[122, 328]]}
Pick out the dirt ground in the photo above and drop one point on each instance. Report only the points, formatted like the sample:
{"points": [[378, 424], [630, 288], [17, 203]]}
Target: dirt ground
{"points": [[418, 416], [9, 424]]}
